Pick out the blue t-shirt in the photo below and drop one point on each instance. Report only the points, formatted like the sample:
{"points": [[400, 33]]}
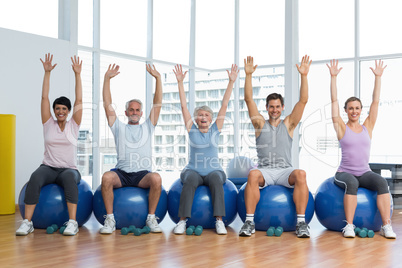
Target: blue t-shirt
{"points": [[133, 145], [203, 155]]}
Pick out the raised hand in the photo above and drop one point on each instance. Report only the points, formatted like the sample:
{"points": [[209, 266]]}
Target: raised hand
{"points": [[304, 65], [153, 71], [233, 73], [112, 71], [47, 64], [379, 68], [77, 64], [178, 71], [333, 67], [249, 68]]}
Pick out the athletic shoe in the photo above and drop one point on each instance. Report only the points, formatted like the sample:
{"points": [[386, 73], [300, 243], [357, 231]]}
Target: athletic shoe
{"points": [[302, 230], [387, 231], [152, 223], [108, 226], [220, 227], [247, 229], [26, 228], [71, 228], [180, 227], [349, 231]]}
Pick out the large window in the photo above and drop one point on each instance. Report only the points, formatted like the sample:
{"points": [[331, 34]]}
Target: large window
{"points": [[37, 17]]}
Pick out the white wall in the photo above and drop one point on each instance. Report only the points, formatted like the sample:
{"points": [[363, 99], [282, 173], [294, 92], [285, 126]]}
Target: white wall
{"points": [[21, 76]]}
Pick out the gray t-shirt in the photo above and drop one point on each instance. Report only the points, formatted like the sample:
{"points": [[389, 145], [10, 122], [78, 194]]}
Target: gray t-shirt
{"points": [[274, 147], [133, 145]]}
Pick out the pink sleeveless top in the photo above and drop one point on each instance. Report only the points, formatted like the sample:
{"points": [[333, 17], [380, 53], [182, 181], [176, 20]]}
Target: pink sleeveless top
{"points": [[355, 152]]}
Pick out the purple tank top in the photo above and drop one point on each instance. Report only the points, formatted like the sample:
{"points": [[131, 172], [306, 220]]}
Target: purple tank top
{"points": [[355, 152]]}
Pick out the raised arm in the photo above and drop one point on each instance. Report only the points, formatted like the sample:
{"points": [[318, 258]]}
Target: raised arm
{"points": [[295, 116], [257, 119], [339, 125], [45, 103], [188, 122], [77, 110], [111, 72], [372, 117], [226, 97], [157, 103]]}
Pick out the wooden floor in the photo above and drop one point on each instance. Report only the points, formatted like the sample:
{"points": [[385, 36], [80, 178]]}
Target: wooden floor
{"points": [[90, 249]]}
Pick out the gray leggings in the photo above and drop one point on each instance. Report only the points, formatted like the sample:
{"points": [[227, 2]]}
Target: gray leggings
{"points": [[191, 180], [65, 177], [369, 180]]}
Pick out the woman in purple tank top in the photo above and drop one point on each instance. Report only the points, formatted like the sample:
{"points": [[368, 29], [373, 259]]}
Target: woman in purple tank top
{"points": [[355, 141]]}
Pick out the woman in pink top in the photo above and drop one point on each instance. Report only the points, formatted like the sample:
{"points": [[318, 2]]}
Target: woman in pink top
{"points": [[355, 141], [59, 162]]}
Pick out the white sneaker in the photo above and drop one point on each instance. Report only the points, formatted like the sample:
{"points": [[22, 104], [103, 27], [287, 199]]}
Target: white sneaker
{"points": [[25, 228], [180, 227], [220, 227], [71, 228], [152, 223], [387, 231], [349, 231], [109, 226]]}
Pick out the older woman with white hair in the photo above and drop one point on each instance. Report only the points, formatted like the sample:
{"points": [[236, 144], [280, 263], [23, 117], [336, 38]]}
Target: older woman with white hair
{"points": [[203, 167]]}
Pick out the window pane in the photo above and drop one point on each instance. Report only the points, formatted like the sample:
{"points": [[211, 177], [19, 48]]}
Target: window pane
{"points": [[209, 90], [262, 31], [328, 32], [129, 84], [265, 81], [170, 158], [28, 16], [380, 24], [172, 25], [124, 26], [385, 145], [319, 155], [85, 22], [214, 33], [85, 165]]}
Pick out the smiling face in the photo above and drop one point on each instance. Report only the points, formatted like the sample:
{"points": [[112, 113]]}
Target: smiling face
{"points": [[134, 113], [61, 112], [203, 119], [275, 109], [353, 110]]}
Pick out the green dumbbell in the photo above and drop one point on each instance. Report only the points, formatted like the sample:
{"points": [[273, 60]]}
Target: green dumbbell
{"points": [[271, 231], [138, 231], [362, 233], [198, 230], [370, 234], [51, 229], [125, 230], [365, 229], [62, 229], [278, 231], [190, 230], [357, 230]]}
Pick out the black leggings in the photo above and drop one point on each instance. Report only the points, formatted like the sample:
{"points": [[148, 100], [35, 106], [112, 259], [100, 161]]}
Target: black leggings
{"points": [[369, 180], [65, 177]]}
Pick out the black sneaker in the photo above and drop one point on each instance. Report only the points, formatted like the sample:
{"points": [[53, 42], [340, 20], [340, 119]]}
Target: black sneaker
{"points": [[247, 229], [302, 230]]}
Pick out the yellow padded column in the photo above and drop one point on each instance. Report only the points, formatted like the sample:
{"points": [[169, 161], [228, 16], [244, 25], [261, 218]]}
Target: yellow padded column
{"points": [[7, 164]]}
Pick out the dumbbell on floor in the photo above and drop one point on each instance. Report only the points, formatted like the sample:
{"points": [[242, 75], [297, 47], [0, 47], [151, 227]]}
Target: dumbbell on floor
{"points": [[51, 229], [125, 230], [272, 231], [190, 230], [138, 231]]}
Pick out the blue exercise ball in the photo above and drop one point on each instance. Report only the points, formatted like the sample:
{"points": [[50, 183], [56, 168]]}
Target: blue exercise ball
{"points": [[52, 206], [202, 211], [275, 208], [330, 210], [239, 167], [130, 206]]}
